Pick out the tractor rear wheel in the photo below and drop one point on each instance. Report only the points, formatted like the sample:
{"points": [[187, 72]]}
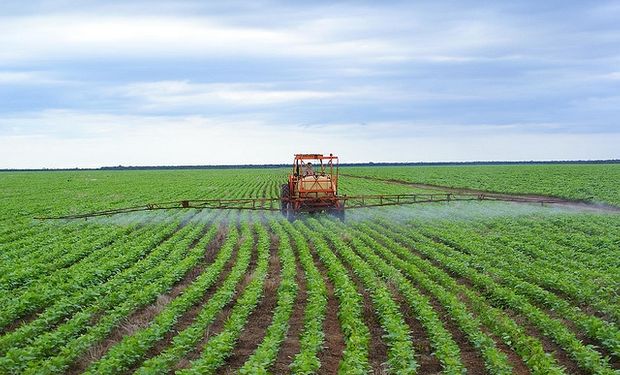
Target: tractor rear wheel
{"points": [[286, 207], [284, 199], [337, 212]]}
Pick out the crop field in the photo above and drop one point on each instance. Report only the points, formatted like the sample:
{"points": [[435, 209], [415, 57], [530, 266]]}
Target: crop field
{"points": [[474, 287], [591, 182]]}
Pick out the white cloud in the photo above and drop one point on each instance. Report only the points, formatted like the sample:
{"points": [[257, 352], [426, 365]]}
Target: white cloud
{"points": [[508, 72], [598, 104], [27, 78], [347, 33], [16, 77], [70, 139], [173, 94], [613, 76], [91, 35]]}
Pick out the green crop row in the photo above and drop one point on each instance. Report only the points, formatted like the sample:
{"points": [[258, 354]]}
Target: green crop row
{"points": [[393, 268], [219, 347], [529, 348], [357, 336], [586, 357], [401, 356], [312, 338], [265, 355], [486, 254], [47, 252], [187, 339], [105, 296], [117, 258], [595, 182], [132, 348], [54, 351], [548, 274]]}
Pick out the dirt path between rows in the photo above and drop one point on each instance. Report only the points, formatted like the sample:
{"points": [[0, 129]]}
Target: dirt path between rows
{"points": [[491, 195], [334, 345], [291, 345], [261, 317]]}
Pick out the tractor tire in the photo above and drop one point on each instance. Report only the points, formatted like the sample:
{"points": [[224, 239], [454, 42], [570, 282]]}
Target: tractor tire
{"points": [[284, 196], [338, 213], [286, 207]]}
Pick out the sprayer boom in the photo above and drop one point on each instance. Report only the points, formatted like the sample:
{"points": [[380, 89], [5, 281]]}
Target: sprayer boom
{"points": [[274, 204]]}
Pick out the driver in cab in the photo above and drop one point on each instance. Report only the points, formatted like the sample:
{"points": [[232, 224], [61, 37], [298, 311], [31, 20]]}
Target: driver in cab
{"points": [[308, 171]]}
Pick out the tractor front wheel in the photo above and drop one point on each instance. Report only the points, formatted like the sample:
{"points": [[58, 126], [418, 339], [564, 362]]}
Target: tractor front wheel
{"points": [[338, 213], [286, 207], [285, 195]]}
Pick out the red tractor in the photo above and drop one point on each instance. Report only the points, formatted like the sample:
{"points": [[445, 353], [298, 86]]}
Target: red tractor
{"points": [[312, 187]]}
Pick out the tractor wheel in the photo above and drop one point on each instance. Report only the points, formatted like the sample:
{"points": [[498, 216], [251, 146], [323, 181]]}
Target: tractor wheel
{"points": [[286, 207], [284, 199], [338, 213], [290, 215]]}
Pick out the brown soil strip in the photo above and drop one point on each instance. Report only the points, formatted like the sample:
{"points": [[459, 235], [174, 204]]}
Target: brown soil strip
{"points": [[614, 361], [492, 195], [519, 367], [142, 317], [256, 328], [429, 364], [550, 347], [331, 355], [291, 346], [218, 324], [470, 356], [16, 324]]}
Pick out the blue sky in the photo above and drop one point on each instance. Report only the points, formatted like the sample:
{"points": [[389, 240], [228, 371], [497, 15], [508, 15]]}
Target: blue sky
{"points": [[93, 83]]}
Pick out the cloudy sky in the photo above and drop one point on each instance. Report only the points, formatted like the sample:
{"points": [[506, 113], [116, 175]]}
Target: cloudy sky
{"points": [[94, 83]]}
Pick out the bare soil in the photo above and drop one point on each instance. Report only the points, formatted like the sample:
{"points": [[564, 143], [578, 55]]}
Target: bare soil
{"points": [[256, 328], [331, 355], [429, 364], [291, 345], [218, 324]]}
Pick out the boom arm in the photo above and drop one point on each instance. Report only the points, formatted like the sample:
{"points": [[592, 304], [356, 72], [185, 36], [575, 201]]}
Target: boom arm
{"points": [[273, 204]]}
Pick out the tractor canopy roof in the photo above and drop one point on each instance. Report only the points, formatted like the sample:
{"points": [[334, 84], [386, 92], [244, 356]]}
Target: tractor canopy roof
{"points": [[315, 157]]}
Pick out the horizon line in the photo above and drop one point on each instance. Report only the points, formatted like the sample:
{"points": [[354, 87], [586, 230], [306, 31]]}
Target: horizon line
{"points": [[281, 165]]}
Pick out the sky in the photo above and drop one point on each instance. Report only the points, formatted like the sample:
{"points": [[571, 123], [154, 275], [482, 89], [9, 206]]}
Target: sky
{"points": [[105, 82]]}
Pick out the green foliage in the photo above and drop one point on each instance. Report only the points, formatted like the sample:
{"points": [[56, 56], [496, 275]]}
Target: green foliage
{"points": [[592, 182], [504, 275]]}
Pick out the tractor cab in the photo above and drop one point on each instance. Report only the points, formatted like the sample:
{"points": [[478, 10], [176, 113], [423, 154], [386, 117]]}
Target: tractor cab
{"points": [[313, 180]]}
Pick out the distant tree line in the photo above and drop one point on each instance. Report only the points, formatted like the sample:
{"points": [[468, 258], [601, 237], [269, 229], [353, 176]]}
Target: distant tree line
{"points": [[370, 164]]}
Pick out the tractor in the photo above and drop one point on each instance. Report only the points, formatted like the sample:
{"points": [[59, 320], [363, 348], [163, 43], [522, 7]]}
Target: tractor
{"points": [[312, 187]]}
